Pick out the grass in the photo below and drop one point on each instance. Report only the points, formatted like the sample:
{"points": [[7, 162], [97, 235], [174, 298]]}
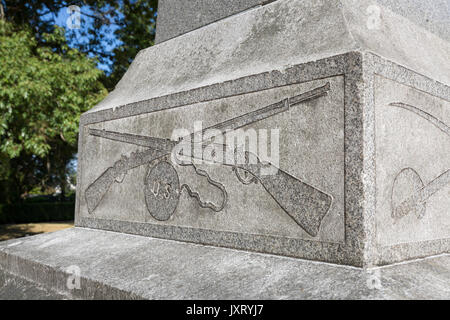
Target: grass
{"points": [[12, 231]]}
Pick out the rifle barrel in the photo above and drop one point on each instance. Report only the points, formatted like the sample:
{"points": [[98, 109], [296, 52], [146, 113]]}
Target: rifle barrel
{"points": [[232, 124], [269, 111], [309, 95], [143, 141]]}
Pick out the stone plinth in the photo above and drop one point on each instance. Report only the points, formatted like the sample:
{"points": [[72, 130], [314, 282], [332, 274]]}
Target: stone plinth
{"points": [[364, 164], [355, 95], [120, 266]]}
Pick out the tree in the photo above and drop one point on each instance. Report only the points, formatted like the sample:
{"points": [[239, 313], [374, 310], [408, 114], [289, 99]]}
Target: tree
{"points": [[48, 77], [113, 31], [44, 86], [136, 31]]}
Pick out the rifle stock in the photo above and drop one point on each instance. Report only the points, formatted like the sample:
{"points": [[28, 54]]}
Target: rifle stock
{"points": [[306, 205], [97, 190]]}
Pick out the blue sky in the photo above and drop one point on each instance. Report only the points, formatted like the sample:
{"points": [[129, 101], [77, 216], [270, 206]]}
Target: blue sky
{"points": [[61, 19]]}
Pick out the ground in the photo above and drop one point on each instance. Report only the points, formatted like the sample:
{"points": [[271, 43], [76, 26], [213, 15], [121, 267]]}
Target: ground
{"points": [[11, 231]]}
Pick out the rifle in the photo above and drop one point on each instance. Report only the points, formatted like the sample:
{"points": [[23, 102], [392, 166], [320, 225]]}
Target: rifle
{"points": [[305, 204]]}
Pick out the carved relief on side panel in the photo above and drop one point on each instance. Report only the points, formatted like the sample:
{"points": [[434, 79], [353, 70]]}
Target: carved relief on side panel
{"points": [[413, 164]]}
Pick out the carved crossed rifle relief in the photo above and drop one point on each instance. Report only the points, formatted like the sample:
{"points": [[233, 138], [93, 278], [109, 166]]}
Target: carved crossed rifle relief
{"points": [[305, 204]]}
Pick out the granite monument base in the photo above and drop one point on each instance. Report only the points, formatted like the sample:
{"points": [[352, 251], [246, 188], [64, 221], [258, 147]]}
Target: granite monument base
{"points": [[363, 174], [119, 266], [356, 99], [356, 96]]}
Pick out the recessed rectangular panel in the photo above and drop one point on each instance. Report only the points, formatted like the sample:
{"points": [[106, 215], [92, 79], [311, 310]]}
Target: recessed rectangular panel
{"points": [[129, 173], [412, 164]]}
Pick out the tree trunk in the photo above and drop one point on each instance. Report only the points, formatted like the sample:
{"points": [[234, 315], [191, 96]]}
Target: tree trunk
{"points": [[62, 185]]}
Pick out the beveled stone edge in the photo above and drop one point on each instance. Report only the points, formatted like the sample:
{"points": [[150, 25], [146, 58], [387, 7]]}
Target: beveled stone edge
{"points": [[163, 37], [283, 246], [55, 279], [310, 71], [409, 251]]}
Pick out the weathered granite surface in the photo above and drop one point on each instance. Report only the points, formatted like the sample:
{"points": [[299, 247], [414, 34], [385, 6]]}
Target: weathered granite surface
{"points": [[361, 234], [176, 17], [356, 184], [115, 265], [275, 37], [322, 155], [359, 91], [431, 15], [13, 287]]}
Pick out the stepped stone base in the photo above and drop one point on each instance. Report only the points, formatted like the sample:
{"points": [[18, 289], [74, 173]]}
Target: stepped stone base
{"points": [[120, 266]]}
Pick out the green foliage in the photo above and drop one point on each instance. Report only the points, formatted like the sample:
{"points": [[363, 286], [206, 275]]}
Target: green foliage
{"points": [[112, 30], [44, 87], [42, 91], [48, 78], [36, 212]]}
